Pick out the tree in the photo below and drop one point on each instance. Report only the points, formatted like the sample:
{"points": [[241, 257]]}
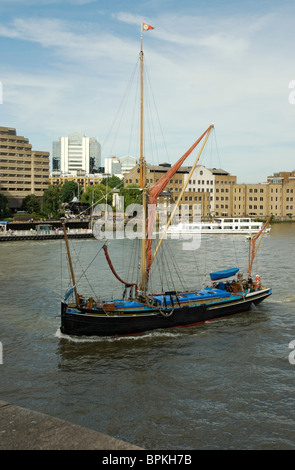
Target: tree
{"points": [[131, 194], [31, 204], [69, 190], [4, 206], [51, 202], [113, 182], [97, 194]]}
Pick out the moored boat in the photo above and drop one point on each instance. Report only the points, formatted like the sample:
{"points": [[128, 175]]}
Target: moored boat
{"points": [[220, 226]]}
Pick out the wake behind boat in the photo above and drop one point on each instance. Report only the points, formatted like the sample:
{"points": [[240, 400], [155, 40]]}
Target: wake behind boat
{"points": [[140, 310], [220, 226]]}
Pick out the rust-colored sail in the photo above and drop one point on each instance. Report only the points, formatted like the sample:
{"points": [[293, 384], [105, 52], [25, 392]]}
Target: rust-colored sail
{"points": [[154, 193], [156, 190]]}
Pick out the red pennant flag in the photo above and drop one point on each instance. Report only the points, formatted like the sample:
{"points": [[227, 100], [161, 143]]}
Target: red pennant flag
{"points": [[146, 27]]}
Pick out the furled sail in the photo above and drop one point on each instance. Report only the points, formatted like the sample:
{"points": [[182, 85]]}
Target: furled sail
{"points": [[223, 274]]}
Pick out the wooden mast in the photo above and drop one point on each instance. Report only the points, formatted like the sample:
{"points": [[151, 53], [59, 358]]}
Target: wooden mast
{"points": [[142, 166], [141, 159], [70, 263]]}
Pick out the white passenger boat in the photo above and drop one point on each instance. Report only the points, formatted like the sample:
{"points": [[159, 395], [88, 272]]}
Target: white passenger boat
{"points": [[220, 226]]}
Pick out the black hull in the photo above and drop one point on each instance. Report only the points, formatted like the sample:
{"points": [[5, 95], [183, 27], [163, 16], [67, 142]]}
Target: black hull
{"points": [[86, 323]]}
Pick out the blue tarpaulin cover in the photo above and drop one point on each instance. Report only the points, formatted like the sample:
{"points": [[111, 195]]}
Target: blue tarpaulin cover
{"points": [[223, 274], [204, 294]]}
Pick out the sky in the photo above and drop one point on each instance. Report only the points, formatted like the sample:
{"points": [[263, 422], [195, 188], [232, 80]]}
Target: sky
{"points": [[66, 66]]}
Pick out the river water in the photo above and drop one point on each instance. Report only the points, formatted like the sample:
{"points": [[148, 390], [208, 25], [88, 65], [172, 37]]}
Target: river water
{"points": [[226, 384]]}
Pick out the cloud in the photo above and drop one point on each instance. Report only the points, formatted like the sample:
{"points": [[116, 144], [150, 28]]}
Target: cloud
{"points": [[49, 2], [232, 70], [56, 34]]}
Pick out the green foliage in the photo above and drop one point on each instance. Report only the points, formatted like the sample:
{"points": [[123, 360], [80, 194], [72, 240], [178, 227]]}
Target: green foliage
{"points": [[31, 204], [69, 190], [4, 206], [113, 182], [131, 194], [51, 202], [97, 194]]}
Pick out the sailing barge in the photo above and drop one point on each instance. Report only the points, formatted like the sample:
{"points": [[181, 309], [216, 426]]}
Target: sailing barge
{"points": [[143, 311]]}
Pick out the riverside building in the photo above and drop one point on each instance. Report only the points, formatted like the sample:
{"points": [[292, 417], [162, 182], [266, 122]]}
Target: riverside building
{"points": [[119, 166], [190, 197], [23, 171], [113, 167], [221, 196], [80, 178], [276, 197]]}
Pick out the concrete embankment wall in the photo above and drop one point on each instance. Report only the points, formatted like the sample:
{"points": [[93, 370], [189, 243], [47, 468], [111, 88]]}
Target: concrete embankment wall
{"points": [[23, 429]]}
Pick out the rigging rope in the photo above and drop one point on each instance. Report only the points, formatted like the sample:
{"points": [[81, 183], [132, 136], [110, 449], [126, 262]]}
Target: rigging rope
{"points": [[217, 147], [236, 256], [176, 267], [122, 104], [83, 271], [154, 107]]}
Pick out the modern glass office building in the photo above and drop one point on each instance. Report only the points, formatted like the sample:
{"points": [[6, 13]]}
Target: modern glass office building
{"points": [[76, 153]]}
